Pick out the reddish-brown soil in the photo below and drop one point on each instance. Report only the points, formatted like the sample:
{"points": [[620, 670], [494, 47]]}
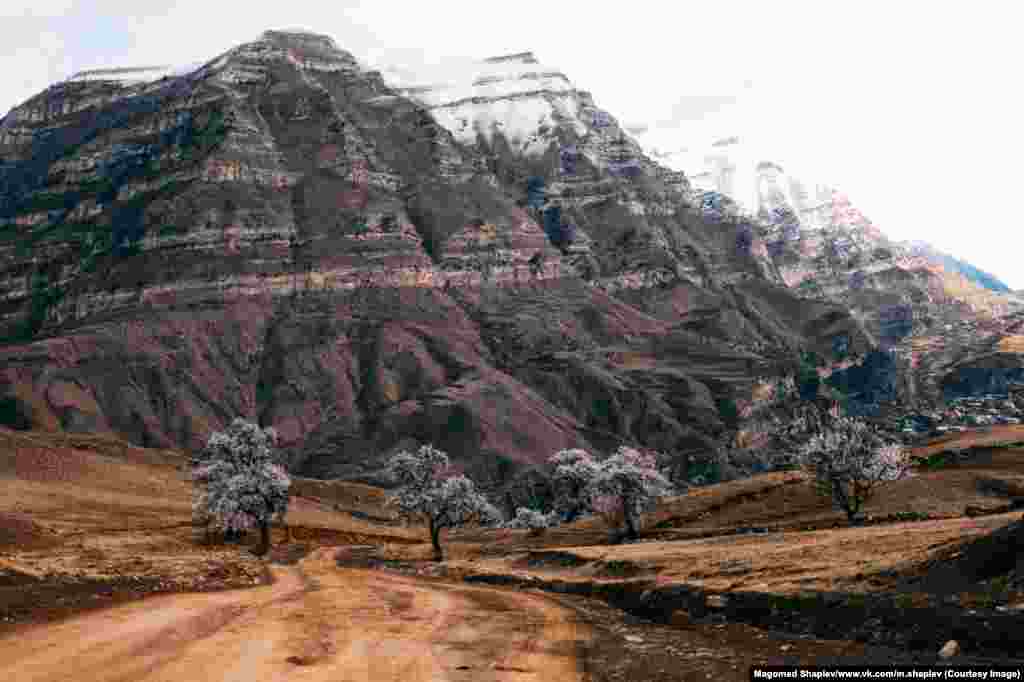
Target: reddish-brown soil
{"points": [[330, 623], [91, 523]]}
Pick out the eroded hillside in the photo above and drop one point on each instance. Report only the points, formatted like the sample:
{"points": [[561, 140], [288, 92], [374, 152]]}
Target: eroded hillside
{"points": [[282, 236]]}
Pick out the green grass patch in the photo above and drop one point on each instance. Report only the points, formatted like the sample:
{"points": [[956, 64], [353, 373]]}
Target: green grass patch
{"points": [[857, 601], [96, 245], [784, 603], [44, 296], [47, 201], [50, 232], [703, 473], [67, 232], [100, 188], [1011, 444], [172, 230], [999, 585], [12, 414], [912, 516], [618, 567], [937, 460], [264, 393], [133, 248]]}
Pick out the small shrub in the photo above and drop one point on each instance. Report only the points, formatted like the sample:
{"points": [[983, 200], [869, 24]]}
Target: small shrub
{"points": [[808, 383], [785, 603], [531, 488], [728, 411], [934, 461], [12, 414], [619, 567], [856, 601], [504, 467], [704, 473], [1000, 584], [533, 520]]}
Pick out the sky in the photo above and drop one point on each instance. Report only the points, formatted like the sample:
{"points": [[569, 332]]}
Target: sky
{"points": [[914, 109]]}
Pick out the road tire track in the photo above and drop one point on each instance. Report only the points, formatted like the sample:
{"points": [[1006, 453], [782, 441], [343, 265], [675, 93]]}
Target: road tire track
{"points": [[334, 624]]}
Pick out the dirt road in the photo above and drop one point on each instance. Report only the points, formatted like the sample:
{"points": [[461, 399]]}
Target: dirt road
{"points": [[315, 622]]}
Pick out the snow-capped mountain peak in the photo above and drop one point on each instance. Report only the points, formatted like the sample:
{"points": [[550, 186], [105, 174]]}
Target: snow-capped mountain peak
{"points": [[513, 93]]}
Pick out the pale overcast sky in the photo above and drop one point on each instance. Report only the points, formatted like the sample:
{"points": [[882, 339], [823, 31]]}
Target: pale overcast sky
{"points": [[912, 107]]}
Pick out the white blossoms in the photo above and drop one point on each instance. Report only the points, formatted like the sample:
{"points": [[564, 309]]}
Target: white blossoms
{"points": [[620, 488], [430, 490], [536, 522], [241, 485], [849, 461]]}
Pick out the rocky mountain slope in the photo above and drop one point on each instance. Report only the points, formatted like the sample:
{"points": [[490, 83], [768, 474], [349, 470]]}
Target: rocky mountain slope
{"points": [[282, 235], [761, 187], [952, 264], [909, 295]]}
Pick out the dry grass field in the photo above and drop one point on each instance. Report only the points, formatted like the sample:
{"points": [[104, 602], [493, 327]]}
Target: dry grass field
{"points": [[847, 559], [87, 521], [804, 543]]}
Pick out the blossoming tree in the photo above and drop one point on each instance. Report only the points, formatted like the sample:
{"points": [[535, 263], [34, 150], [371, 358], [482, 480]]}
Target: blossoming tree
{"points": [[849, 461], [619, 488], [240, 485], [430, 491], [574, 470], [627, 484]]}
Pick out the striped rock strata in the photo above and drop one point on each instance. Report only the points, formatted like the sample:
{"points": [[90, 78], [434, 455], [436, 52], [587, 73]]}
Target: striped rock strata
{"points": [[284, 235]]}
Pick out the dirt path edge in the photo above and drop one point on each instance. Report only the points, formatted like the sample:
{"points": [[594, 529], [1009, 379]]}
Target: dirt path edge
{"points": [[880, 619]]}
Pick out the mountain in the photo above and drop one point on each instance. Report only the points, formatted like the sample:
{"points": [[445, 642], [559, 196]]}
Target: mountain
{"points": [[952, 328], [954, 265], [760, 186], [283, 234], [914, 299]]}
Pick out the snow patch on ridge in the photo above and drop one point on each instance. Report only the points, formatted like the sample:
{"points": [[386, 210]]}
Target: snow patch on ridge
{"points": [[136, 75], [127, 75], [513, 94], [734, 166]]}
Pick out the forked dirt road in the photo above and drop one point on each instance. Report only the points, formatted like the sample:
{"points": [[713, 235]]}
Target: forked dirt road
{"points": [[315, 622]]}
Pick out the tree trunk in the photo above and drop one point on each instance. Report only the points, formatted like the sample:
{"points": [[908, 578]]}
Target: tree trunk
{"points": [[631, 531], [435, 540], [264, 538]]}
